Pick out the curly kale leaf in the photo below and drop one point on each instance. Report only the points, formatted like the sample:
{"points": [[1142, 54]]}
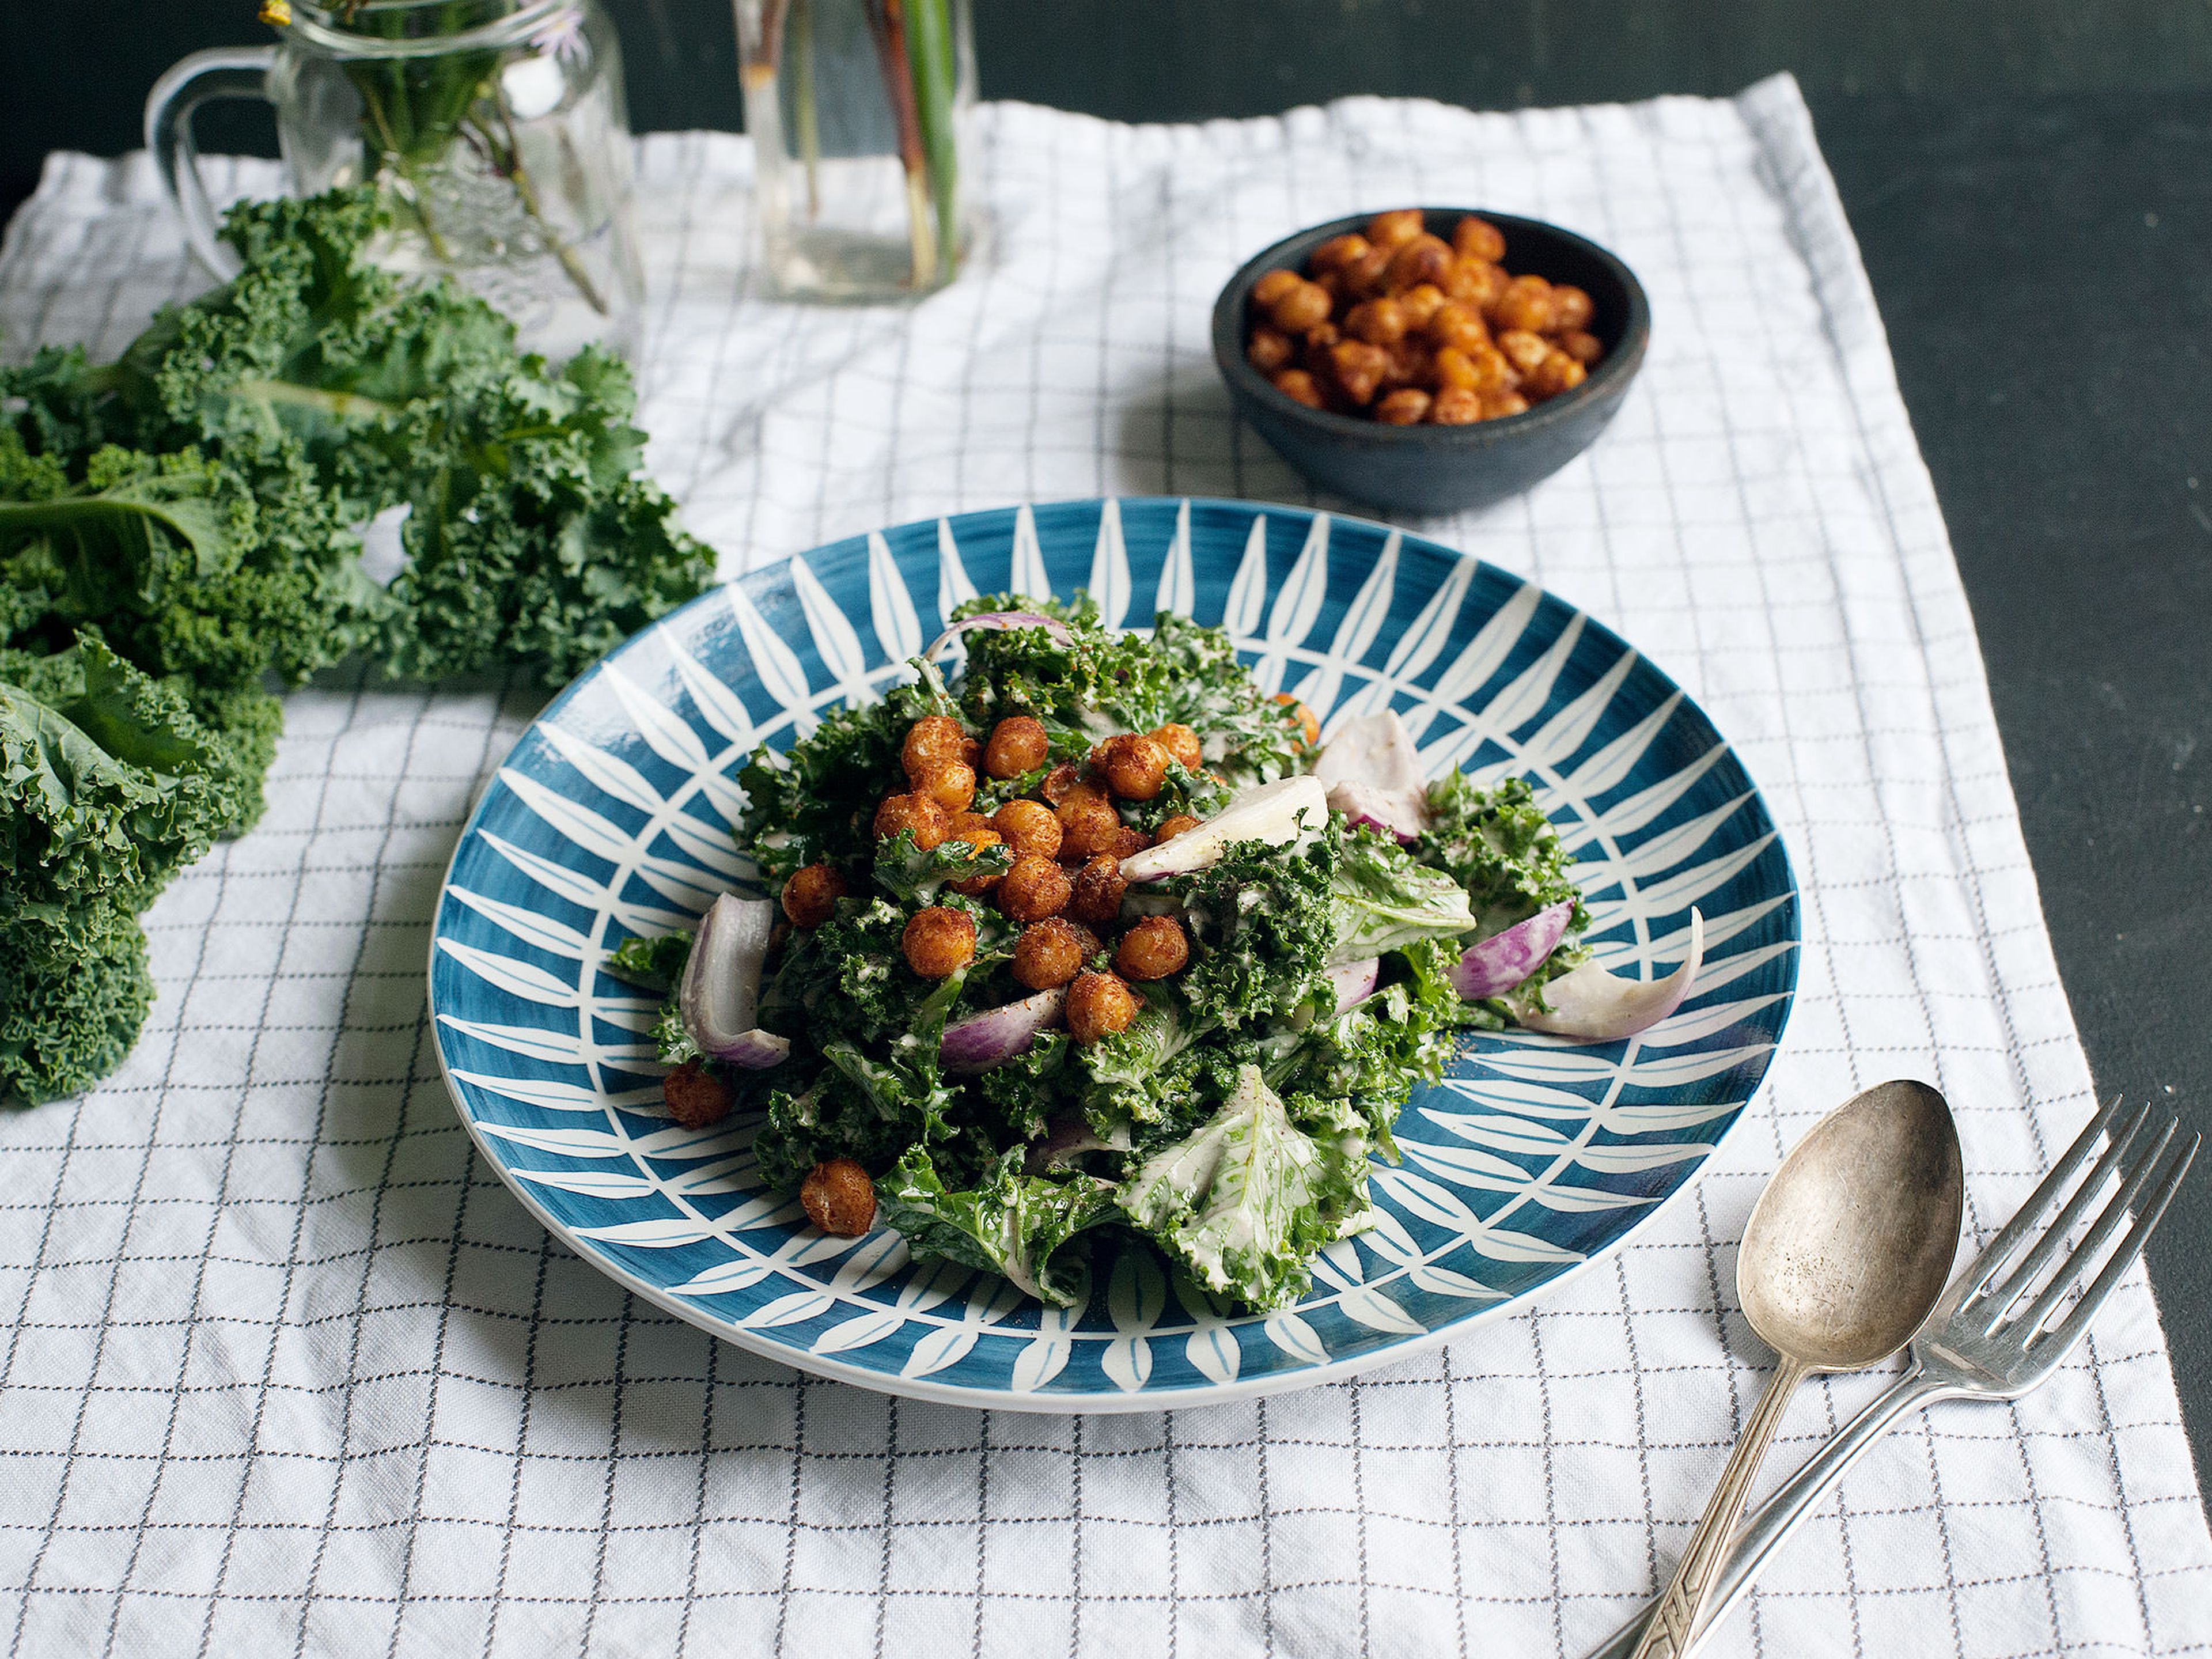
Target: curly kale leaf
{"points": [[651, 964], [1245, 1200], [1497, 844], [1006, 1223], [1262, 923], [913, 876], [74, 990]]}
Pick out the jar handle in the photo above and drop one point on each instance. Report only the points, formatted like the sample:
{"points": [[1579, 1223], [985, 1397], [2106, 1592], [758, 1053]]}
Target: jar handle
{"points": [[202, 78]]}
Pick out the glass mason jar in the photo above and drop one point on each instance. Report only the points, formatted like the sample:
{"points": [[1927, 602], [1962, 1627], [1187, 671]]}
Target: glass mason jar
{"points": [[494, 129], [859, 112]]}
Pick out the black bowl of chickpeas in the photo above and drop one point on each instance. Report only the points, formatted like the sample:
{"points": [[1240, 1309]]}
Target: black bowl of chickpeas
{"points": [[1431, 358]]}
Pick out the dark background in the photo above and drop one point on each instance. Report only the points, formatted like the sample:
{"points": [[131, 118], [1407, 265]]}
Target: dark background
{"points": [[2029, 181]]}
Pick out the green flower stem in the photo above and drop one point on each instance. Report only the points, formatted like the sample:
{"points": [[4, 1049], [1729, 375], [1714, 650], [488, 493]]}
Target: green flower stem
{"points": [[930, 57], [803, 106]]}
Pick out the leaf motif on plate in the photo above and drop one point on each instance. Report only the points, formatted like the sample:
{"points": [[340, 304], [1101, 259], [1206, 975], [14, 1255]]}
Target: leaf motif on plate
{"points": [[795, 1308], [1109, 567], [534, 1043], [1420, 645], [1371, 1308], [862, 1331], [1297, 605], [550, 1095], [573, 823], [721, 706], [776, 663], [1466, 1166], [1486, 653], [664, 733], [1213, 1352], [943, 1345], [834, 640], [1028, 579], [1646, 803], [1355, 634], [530, 927], [663, 1234], [1503, 1244], [568, 1143], [1290, 1334], [525, 980], [890, 607], [609, 773], [1565, 732], [591, 1183], [1177, 591], [1248, 590], [1609, 768]]}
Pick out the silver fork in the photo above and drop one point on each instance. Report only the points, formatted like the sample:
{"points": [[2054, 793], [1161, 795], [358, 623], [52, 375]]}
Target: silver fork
{"points": [[1975, 1346]]}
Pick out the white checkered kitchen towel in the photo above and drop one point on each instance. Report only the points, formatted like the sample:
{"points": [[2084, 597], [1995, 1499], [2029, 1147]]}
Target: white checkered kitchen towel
{"points": [[284, 1370]]}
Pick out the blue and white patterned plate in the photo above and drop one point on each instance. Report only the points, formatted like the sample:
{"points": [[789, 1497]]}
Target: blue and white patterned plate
{"points": [[1530, 1161]]}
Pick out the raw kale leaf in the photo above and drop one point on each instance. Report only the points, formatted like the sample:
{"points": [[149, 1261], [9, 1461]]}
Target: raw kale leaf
{"points": [[1245, 1200], [651, 964], [1262, 927], [1006, 1223], [1383, 901], [1497, 844]]}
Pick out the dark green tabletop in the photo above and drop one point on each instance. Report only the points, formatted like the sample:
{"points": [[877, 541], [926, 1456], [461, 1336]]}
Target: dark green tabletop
{"points": [[2030, 186]]}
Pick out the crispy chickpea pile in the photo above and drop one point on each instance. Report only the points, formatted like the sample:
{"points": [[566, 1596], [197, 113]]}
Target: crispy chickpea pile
{"points": [[1407, 329], [1063, 894]]}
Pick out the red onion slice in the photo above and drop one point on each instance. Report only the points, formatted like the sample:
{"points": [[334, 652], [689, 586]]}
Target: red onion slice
{"points": [[1279, 813], [1400, 812], [720, 996], [1503, 960], [1355, 981], [1595, 1006], [993, 621], [998, 1035]]}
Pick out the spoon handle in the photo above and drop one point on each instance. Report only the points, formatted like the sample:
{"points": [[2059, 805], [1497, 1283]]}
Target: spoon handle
{"points": [[1675, 1620]]}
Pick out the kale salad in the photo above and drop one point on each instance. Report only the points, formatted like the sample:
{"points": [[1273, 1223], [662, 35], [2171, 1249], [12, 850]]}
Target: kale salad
{"points": [[1098, 936]]}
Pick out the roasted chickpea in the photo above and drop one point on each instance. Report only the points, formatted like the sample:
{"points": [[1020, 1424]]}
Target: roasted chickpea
{"points": [[1338, 251], [1299, 308], [1318, 338], [1526, 303], [1308, 722], [1492, 373], [1404, 407], [1368, 275], [1456, 405], [1272, 285], [1058, 783], [1298, 386], [1558, 372], [1270, 350], [1171, 827], [1411, 363], [1399, 225], [952, 785], [1034, 889], [961, 822], [1497, 405], [1419, 303], [1479, 283], [1356, 369], [1153, 949], [1420, 259], [1571, 308], [1133, 766], [1017, 744], [1128, 841], [1087, 826], [1478, 239], [1333, 285], [916, 813], [1096, 898], [938, 942], [972, 752], [1029, 827], [839, 1198], [1099, 1005], [978, 886], [1582, 346], [1523, 350], [1049, 953], [1459, 325], [1455, 371], [695, 1096], [934, 742], [1181, 743], [810, 897], [1378, 322]]}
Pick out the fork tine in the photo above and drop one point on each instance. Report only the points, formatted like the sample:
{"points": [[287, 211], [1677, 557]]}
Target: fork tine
{"points": [[2029, 1215], [2124, 1156], [2059, 1341], [2093, 1243]]}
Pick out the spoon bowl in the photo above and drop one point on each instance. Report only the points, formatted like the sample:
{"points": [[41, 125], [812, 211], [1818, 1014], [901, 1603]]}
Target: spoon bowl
{"points": [[1850, 1244]]}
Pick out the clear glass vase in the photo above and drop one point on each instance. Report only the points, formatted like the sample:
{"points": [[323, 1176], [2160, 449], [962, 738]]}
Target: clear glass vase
{"points": [[859, 112], [495, 130]]}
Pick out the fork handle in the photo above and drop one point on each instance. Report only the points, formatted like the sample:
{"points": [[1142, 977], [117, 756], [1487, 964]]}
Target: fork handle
{"points": [[1777, 1518]]}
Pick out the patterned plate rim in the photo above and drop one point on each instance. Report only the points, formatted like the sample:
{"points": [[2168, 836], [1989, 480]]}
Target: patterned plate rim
{"points": [[1043, 1403]]}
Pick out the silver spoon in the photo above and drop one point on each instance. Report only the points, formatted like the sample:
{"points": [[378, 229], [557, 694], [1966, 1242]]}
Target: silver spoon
{"points": [[1844, 1255]]}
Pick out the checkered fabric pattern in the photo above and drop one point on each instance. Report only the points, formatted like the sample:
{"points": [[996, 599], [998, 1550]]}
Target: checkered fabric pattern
{"points": [[284, 1370]]}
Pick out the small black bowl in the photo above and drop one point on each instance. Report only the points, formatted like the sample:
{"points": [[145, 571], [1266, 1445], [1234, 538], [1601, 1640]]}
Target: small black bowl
{"points": [[1444, 469]]}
